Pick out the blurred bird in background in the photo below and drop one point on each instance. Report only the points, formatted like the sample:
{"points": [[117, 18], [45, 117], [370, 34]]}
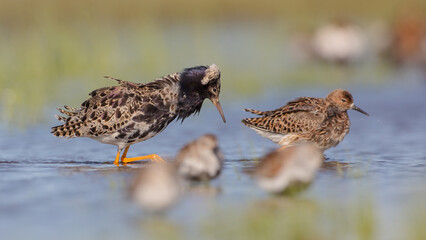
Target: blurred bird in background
{"points": [[339, 42]]}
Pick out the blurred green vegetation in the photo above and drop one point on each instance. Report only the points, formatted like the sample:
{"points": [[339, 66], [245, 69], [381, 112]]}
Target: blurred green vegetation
{"points": [[294, 218], [55, 52], [303, 218], [26, 12], [299, 217]]}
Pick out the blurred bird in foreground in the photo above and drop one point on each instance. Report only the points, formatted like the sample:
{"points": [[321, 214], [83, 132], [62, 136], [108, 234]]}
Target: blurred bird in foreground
{"points": [[200, 159], [323, 122], [133, 112], [286, 168], [156, 187]]}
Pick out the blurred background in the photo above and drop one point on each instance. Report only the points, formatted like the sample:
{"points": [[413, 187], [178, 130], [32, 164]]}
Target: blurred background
{"points": [[55, 52]]}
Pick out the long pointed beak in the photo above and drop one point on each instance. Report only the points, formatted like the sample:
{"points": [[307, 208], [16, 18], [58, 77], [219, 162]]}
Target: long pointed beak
{"points": [[354, 107], [216, 102]]}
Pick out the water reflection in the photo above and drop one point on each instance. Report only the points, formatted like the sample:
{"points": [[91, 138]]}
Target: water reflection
{"points": [[204, 189], [335, 166], [159, 227]]}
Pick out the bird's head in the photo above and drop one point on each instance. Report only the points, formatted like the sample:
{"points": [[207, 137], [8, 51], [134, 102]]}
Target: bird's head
{"points": [[344, 101], [199, 83], [208, 142]]}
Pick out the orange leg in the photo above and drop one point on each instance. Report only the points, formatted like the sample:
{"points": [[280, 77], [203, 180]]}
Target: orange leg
{"points": [[116, 162], [124, 159], [153, 157], [124, 153]]}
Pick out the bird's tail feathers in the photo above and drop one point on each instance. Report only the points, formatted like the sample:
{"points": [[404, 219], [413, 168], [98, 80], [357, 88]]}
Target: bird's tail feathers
{"points": [[68, 111], [248, 121], [61, 118], [116, 79], [123, 83], [67, 130], [261, 113], [72, 124]]}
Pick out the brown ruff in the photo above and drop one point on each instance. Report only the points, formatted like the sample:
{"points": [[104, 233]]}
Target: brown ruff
{"points": [[321, 121]]}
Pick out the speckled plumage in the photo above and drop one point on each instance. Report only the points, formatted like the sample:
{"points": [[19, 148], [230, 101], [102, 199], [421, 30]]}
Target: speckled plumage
{"points": [[133, 112], [321, 121]]}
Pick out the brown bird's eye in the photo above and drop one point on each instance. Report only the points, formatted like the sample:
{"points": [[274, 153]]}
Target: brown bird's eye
{"points": [[343, 100], [214, 90]]}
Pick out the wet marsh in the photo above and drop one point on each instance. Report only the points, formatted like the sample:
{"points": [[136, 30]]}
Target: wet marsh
{"points": [[371, 186]]}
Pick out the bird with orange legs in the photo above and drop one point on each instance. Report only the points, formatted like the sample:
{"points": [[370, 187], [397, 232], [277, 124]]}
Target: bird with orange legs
{"points": [[131, 112]]}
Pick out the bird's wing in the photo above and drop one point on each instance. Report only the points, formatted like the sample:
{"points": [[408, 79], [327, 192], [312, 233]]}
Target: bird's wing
{"points": [[110, 109], [300, 115], [118, 108], [299, 104], [303, 104], [107, 110]]}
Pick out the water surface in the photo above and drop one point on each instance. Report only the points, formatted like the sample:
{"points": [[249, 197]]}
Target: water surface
{"points": [[371, 185]]}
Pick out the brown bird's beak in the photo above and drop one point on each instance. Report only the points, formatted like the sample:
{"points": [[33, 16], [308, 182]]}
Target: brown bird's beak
{"points": [[354, 107], [216, 102]]}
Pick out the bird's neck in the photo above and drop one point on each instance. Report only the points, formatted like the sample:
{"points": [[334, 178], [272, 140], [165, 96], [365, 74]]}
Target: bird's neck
{"points": [[190, 98], [334, 111]]}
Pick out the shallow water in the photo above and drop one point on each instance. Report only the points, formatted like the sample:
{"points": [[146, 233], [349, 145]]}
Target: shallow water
{"points": [[371, 185]]}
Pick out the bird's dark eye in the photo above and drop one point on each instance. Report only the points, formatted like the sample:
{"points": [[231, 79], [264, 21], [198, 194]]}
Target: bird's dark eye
{"points": [[343, 100], [214, 90]]}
